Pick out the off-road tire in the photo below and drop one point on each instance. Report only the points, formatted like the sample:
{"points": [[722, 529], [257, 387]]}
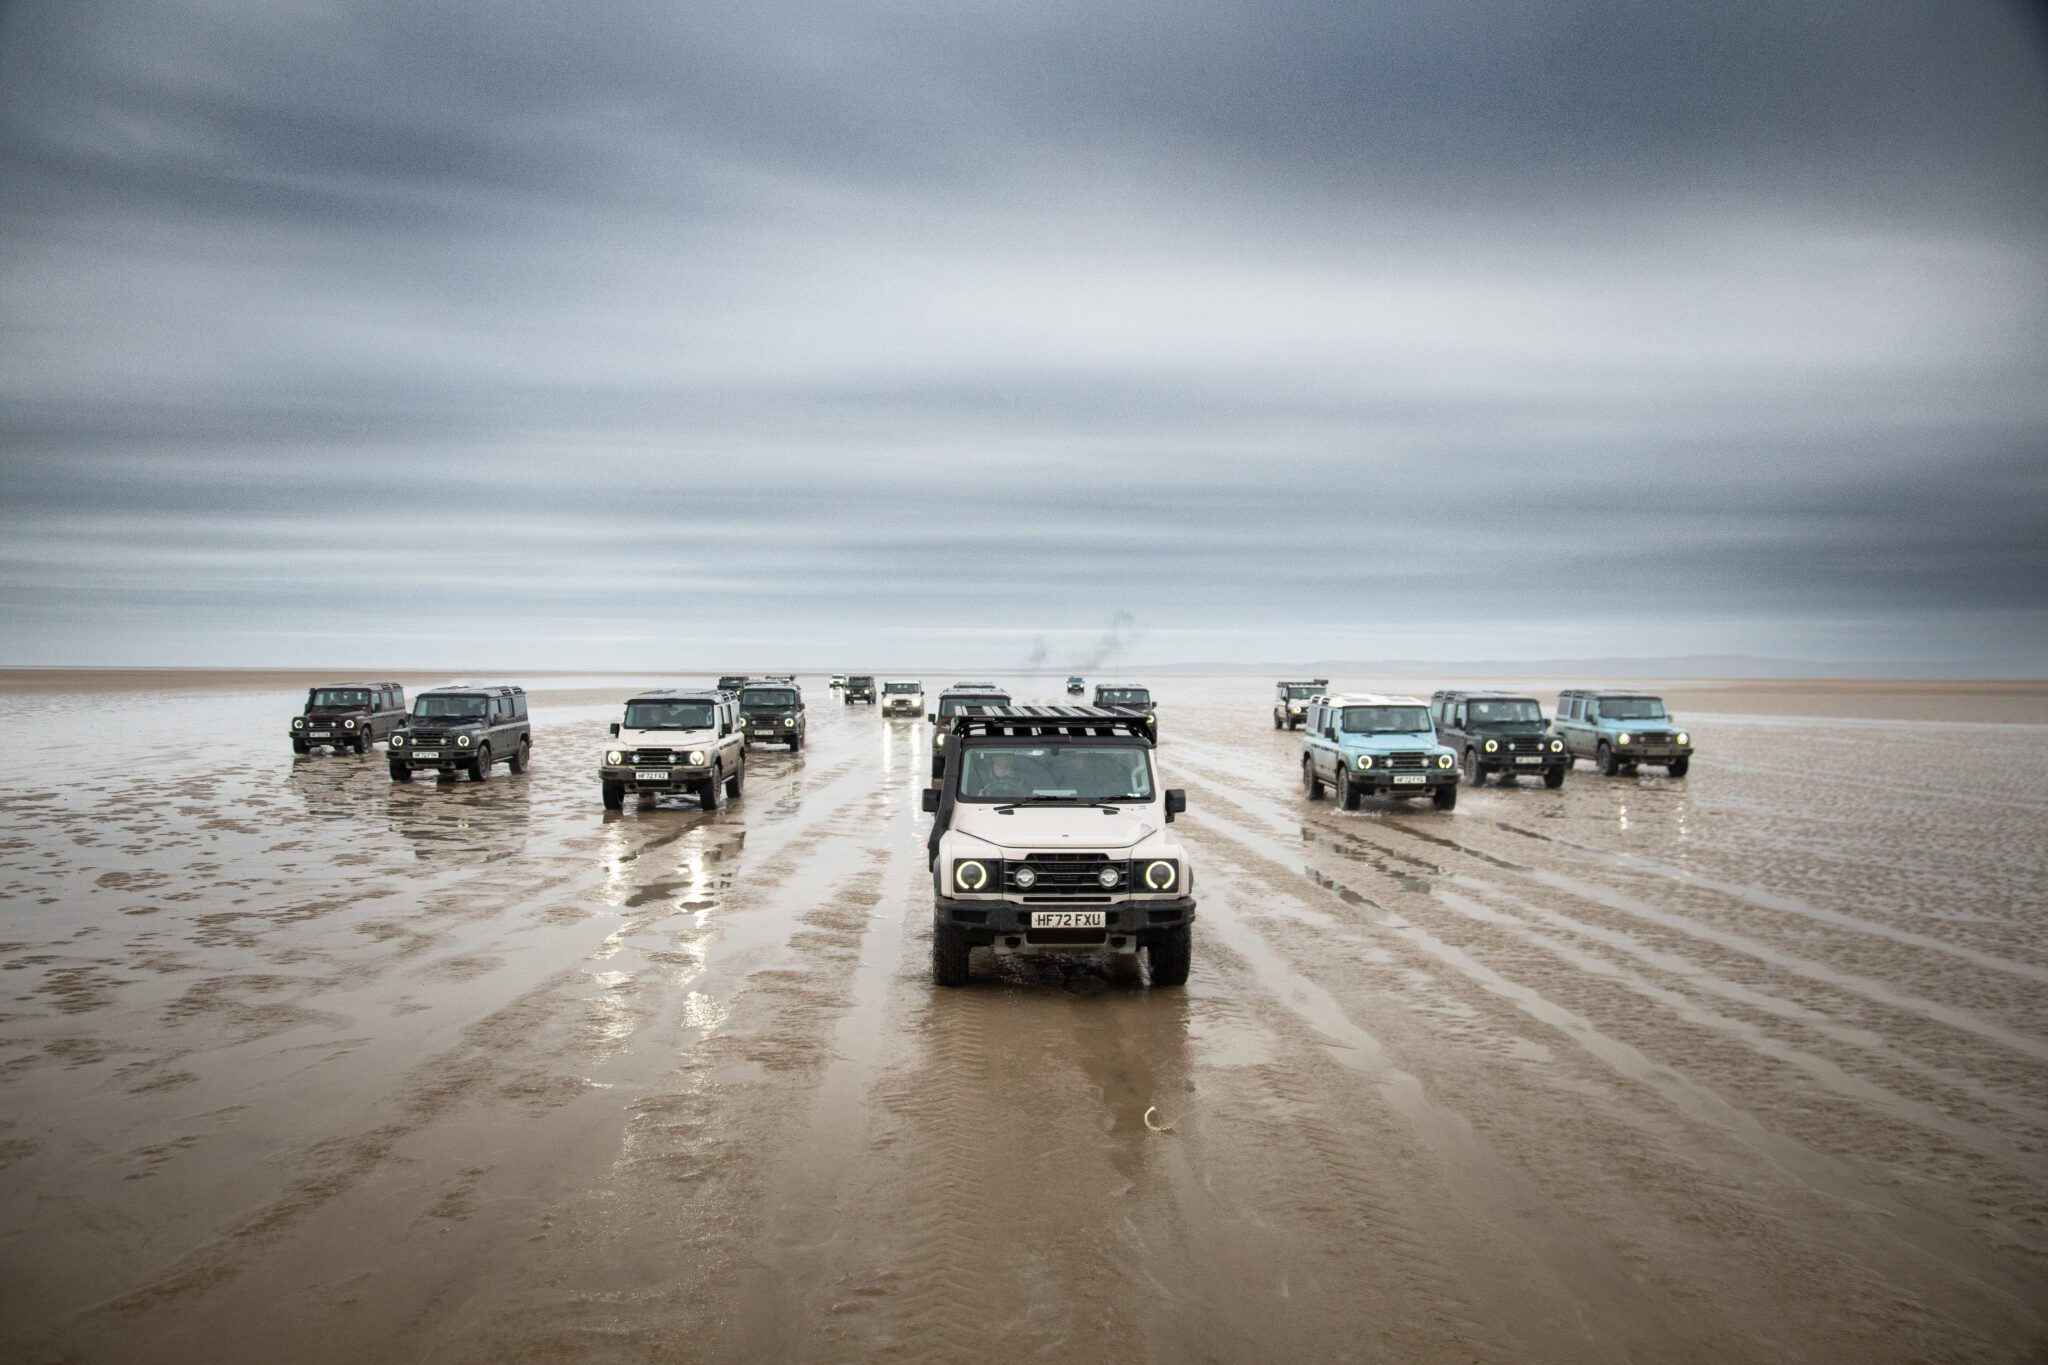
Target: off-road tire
{"points": [[361, 745], [1475, 771], [1170, 956], [736, 781], [1276, 720], [522, 755], [1311, 785], [480, 766], [399, 772], [1348, 796], [796, 742], [614, 794], [1446, 796], [708, 794], [1553, 778], [299, 746], [950, 950], [1604, 756], [1678, 766]]}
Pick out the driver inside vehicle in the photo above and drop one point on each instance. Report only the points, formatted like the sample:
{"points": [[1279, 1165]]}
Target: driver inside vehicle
{"points": [[1007, 774]]}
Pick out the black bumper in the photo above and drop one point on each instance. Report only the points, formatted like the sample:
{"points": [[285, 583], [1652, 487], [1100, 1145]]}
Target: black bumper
{"points": [[332, 734], [679, 779], [1649, 753], [985, 921], [1380, 782], [1505, 764]]}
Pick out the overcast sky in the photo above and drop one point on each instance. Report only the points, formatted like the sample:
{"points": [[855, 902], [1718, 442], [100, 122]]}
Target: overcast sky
{"points": [[521, 333]]}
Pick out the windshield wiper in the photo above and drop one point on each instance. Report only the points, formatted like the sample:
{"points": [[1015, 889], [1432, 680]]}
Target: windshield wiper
{"points": [[1081, 801]]}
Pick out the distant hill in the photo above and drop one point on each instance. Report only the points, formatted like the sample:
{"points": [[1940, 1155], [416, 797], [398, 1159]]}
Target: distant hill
{"points": [[1678, 666]]}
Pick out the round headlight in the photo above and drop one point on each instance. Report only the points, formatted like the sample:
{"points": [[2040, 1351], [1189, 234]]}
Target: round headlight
{"points": [[696, 758], [938, 741], [1444, 760], [1557, 746], [1026, 878], [1107, 878], [1622, 738], [1684, 738], [743, 722], [789, 722], [348, 725], [299, 724], [970, 875], [1159, 875], [462, 740], [615, 757], [1492, 744], [398, 739], [1365, 760]]}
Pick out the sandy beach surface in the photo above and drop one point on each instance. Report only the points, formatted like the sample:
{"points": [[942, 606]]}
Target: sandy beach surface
{"points": [[299, 1064]]}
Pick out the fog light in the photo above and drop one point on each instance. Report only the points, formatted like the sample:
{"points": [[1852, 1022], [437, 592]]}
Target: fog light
{"points": [[1107, 878], [1026, 879]]}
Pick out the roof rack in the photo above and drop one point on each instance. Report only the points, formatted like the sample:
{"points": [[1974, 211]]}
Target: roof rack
{"points": [[1033, 721]]}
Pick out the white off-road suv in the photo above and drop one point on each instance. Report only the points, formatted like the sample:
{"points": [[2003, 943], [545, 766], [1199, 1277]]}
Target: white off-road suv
{"points": [[1050, 836], [902, 697], [676, 742]]}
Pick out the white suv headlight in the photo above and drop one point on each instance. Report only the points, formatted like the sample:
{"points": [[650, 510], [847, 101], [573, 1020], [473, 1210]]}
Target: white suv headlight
{"points": [[615, 757], [696, 758], [1160, 875]]}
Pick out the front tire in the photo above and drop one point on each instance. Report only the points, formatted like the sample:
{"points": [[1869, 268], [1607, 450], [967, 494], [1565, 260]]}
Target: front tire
{"points": [[1678, 767], [362, 745], [1553, 778], [1605, 758], [796, 742], [299, 746], [399, 772], [708, 794], [480, 769], [1310, 783], [1348, 796], [614, 794], [1276, 720], [950, 949], [736, 783], [1446, 796], [1172, 953], [1475, 772], [522, 755]]}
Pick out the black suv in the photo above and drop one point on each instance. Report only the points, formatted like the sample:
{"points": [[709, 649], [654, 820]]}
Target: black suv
{"points": [[955, 701], [1498, 732], [773, 713], [859, 687], [348, 716], [463, 729], [733, 682], [1128, 697]]}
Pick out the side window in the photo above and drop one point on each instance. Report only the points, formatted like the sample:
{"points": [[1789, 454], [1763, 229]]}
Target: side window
{"points": [[520, 702], [1458, 717]]}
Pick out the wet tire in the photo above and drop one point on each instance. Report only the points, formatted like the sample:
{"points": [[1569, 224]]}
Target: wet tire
{"points": [[1172, 953], [480, 768], [708, 794], [737, 782], [1553, 778], [795, 742], [522, 755], [361, 745], [299, 746], [1446, 796], [1311, 785], [1348, 796], [950, 950], [399, 772], [1679, 768], [1605, 758], [1475, 771], [1276, 720], [614, 795]]}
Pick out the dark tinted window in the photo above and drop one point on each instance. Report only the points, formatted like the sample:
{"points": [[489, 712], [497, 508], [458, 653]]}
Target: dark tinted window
{"points": [[339, 696]]}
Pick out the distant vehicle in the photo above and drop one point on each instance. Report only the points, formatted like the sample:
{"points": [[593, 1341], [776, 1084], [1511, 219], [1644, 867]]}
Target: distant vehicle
{"points": [[957, 700], [733, 682], [348, 716], [1622, 730], [1076, 685], [773, 713], [1499, 732], [1365, 744], [1290, 700], [902, 697], [838, 681], [1078, 781], [463, 728], [859, 687], [676, 742], [1129, 697]]}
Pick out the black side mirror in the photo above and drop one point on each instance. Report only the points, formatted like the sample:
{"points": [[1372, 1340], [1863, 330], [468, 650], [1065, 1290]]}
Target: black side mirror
{"points": [[615, 729], [931, 717], [931, 800], [1176, 803]]}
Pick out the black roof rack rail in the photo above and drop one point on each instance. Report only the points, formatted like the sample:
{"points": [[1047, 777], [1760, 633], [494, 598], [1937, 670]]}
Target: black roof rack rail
{"points": [[1032, 721]]}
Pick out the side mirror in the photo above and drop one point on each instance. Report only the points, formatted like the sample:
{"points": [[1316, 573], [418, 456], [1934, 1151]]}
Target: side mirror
{"points": [[615, 729], [931, 717], [1176, 803], [931, 800]]}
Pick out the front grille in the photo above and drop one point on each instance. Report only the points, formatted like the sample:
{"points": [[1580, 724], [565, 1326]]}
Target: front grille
{"points": [[1528, 744], [1066, 877], [1659, 737], [1405, 762], [656, 758]]}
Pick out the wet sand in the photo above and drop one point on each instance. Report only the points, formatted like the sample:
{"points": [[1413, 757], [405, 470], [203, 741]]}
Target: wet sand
{"points": [[299, 1064]]}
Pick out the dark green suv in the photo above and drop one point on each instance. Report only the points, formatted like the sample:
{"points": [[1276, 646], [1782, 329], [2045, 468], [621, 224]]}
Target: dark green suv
{"points": [[1498, 732], [773, 713]]}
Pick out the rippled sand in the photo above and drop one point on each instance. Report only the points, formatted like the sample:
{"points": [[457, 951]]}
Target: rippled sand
{"points": [[298, 1064]]}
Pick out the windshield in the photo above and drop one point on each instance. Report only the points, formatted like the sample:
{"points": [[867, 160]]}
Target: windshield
{"points": [[953, 706], [861, 680], [1124, 696], [669, 715], [339, 696], [1511, 709], [1631, 708], [1386, 720], [1300, 691], [451, 708], [903, 687], [766, 699], [1076, 772]]}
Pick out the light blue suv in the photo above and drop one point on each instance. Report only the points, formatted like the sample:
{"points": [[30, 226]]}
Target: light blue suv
{"points": [[1365, 744], [1621, 730]]}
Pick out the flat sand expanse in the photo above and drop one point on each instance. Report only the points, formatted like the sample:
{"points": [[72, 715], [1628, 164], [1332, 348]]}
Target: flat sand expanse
{"points": [[300, 1065]]}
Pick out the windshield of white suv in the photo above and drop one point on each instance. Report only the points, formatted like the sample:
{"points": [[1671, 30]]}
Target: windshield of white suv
{"points": [[1631, 708], [669, 715], [953, 706], [1076, 772], [765, 699], [1124, 696], [1385, 720], [451, 708], [902, 687], [342, 696], [1496, 711]]}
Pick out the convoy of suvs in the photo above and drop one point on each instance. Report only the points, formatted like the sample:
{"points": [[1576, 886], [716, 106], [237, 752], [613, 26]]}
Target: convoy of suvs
{"points": [[1049, 829]]}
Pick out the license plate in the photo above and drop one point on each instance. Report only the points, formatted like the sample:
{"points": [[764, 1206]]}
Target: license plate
{"points": [[426, 753], [323, 734], [1528, 758], [1066, 919], [652, 775], [1409, 780]]}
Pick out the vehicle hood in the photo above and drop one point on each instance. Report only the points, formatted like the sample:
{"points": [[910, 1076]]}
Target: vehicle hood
{"points": [[663, 739], [1509, 727], [1379, 744], [1655, 723], [1055, 829], [438, 724]]}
